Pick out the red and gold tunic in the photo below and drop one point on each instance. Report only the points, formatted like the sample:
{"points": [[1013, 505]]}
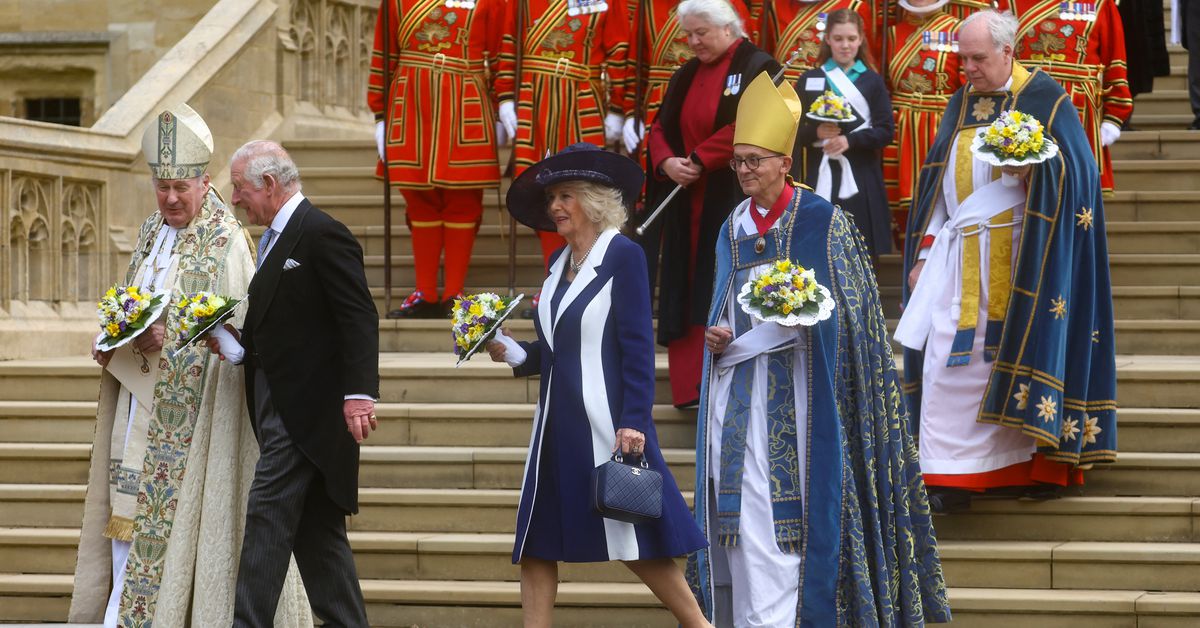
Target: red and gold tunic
{"points": [[752, 18], [791, 24], [921, 78], [1087, 57], [573, 71], [441, 126], [962, 8]]}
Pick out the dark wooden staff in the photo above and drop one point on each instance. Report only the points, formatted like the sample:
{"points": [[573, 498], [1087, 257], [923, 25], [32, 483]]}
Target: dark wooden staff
{"points": [[387, 170]]}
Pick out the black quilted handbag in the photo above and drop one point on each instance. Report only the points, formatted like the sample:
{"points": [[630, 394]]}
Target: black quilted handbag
{"points": [[626, 491]]}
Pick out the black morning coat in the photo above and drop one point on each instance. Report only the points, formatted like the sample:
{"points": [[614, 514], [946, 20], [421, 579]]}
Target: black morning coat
{"points": [[869, 207], [314, 330], [683, 300]]}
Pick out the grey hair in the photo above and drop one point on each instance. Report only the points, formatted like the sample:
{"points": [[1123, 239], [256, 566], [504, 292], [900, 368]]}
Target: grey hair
{"points": [[719, 13], [1001, 26], [264, 157], [600, 203]]}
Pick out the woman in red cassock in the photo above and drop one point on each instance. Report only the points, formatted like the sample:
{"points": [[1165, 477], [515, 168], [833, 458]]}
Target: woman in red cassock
{"points": [[690, 144]]}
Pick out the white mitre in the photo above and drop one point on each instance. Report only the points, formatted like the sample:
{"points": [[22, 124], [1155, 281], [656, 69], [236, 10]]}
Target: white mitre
{"points": [[178, 144]]}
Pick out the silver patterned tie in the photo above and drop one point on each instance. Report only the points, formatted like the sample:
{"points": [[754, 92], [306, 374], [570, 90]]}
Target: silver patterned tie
{"points": [[263, 244]]}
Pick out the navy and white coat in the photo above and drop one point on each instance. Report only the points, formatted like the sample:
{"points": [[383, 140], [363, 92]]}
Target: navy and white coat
{"points": [[595, 356]]}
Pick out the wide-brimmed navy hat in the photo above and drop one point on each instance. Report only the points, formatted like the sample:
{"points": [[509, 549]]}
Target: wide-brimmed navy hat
{"points": [[578, 162]]}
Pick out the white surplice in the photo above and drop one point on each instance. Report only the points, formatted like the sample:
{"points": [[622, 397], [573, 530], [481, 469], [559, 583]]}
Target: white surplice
{"points": [[952, 441], [765, 580]]}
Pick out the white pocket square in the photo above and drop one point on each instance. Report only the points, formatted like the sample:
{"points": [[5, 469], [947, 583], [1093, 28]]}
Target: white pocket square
{"points": [[290, 264]]}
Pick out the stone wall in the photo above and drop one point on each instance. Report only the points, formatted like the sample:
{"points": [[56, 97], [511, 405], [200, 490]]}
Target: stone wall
{"points": [[128, 37]]}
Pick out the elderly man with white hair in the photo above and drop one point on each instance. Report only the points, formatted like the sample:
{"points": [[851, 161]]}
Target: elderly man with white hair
{"points": [[310, 346], [1008, 324], [173, 452]]}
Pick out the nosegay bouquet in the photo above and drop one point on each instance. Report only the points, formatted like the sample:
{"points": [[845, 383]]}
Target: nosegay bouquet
{"points": [[1014, 139], [124, 311], [787, 294], [829, 107], [475, 320], [198, 312]]}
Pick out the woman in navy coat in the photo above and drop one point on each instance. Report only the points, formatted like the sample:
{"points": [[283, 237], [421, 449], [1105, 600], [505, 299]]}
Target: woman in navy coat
{"points": [[595, 356], [827, 148]]}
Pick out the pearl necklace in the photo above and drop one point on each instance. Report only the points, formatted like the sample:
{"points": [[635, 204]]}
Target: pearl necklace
{"points": [[576, 266]]}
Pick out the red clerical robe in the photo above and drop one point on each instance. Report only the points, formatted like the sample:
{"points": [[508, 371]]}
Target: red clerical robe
{"points": [[1086, 57], [573, 71], [441, 129], [713, 147], [921, 78], [791, 24]]}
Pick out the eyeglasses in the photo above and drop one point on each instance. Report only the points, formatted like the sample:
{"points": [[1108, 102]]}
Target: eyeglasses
{"points": [[752, 162]]}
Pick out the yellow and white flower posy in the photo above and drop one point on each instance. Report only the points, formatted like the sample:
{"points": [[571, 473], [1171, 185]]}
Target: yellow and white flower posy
{"points": [[787, 294], [475, 318], [197, 311], [829, 107], [1014, 139], [124, 311]]}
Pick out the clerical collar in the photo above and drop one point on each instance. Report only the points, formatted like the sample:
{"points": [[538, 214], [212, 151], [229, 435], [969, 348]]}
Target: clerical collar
{"points": [[765, 218]]}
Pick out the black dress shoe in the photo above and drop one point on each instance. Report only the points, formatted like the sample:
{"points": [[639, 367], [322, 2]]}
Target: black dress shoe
{"points": [[1195, 125], [947, 500], [1041, 492], [416, 307]]}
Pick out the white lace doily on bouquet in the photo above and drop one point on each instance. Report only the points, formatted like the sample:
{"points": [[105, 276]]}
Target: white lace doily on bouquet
{"points": [[808, 317]]}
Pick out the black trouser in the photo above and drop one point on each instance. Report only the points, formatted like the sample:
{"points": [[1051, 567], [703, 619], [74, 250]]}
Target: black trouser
{"points": [[290, 513], [1191, 41]]}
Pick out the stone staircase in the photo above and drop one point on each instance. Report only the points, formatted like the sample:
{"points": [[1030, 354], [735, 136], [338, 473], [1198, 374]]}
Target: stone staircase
{"points": [[439, 480]]}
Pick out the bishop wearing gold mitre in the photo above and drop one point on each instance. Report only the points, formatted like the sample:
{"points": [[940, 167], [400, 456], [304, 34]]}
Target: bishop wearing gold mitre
{"points": [[806, 479]]}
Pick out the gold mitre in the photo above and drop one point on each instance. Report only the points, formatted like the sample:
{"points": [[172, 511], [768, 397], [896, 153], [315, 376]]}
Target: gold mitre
{"points": [[768, 116], [177, 144]]}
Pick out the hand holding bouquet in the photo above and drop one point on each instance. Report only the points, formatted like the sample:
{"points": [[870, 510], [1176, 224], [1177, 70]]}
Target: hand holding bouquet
{"points": [[475, 320], [198, 313], [829, 107], [125, 311], [787, 294], [1015, 139]]}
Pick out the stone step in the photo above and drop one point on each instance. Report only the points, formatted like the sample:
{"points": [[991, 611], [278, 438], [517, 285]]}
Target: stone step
{"points": [[1163, 381], [1165, 122], [310, 153], [1071, 565], [1124, 236], [342, 180], [1161, 336], [1172, 302], [48, 421], [405, 603], [1151, 206], [1165, 430], [1176, 175], [492, 270], [1154, 237], [495, 467], [1162, 101], [475, 467], [1149, 430], [1159, 519], [487, 557], [1156, 144], [1123, 519]]}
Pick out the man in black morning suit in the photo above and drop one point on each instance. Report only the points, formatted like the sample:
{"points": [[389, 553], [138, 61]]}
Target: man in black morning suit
{"points": [[311, 341]]}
